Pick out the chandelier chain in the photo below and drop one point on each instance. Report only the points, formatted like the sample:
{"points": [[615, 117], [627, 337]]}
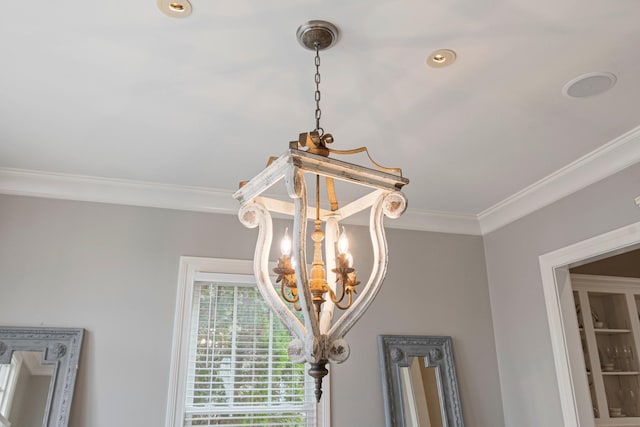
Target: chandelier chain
{"points": [[317, 93]]}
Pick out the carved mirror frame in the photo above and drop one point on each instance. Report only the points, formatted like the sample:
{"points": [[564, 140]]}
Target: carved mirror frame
{"points": [[60, 348], [437, 351]]}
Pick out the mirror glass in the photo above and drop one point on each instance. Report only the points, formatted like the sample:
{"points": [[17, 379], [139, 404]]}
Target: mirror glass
{"points": [[24, 389], [421, 394], [419, 381], [38, 369]]}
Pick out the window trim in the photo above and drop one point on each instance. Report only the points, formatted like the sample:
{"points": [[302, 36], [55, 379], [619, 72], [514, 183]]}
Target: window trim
{"points": [[189, 268]]}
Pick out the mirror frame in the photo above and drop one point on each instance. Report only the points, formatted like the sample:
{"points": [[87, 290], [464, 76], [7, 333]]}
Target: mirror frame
{"points": [[437, 351], [60, 348]]}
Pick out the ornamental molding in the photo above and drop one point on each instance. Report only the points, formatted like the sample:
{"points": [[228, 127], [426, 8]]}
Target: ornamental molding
{"points": [[32, 183], [595, 166], [605, 161]]}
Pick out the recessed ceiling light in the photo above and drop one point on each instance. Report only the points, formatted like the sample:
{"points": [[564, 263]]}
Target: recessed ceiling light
{"points": [[441, 58], [589, 84], [175, 8]]}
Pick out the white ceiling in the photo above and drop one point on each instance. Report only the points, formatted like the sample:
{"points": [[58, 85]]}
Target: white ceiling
{"points": [[119, 90]]}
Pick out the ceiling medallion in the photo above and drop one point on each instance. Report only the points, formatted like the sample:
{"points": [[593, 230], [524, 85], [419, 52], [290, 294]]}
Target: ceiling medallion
{"points": [[314, 290]]}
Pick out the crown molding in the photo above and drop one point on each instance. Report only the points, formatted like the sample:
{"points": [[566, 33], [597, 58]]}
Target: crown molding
{"points": [[439, 222], [50, 185], [605, 161], [599, 164], [22, 182]]}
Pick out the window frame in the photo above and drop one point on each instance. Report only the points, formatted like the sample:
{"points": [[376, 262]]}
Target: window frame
{"points": [[189, 268]]}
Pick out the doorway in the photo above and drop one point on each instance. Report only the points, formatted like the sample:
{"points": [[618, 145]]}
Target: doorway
{"points": [[555, 267]]}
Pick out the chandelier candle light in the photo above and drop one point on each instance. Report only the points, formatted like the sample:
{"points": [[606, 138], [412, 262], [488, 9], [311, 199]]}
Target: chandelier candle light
{"points": [[317, 291]]}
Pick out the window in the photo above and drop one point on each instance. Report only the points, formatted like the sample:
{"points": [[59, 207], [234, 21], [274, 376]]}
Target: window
{"points": [[230, 364]]}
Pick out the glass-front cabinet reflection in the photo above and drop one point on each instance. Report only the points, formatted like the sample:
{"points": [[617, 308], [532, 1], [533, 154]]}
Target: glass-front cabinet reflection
{"points": [[608, 319]]}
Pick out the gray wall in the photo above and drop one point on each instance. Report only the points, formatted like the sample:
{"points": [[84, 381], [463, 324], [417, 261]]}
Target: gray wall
{"points": [[113, 270], [527, 372]]}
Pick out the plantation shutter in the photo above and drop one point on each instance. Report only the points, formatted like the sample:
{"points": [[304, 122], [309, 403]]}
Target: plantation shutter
{"points": [[239, 373]]}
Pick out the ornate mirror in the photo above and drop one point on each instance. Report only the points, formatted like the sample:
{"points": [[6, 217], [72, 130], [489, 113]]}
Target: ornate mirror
{"points": [[419, 381], [37, 375]]}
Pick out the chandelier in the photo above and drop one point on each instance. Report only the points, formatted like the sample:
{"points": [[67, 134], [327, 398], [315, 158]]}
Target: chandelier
{"points": [[330, 281]]}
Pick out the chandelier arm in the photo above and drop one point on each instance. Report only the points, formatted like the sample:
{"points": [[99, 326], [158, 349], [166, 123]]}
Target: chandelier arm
{"points": [[349, 302], [334, 296], [253, 215], [393, 205], [297, 189], [290, 300], [338, 301]]}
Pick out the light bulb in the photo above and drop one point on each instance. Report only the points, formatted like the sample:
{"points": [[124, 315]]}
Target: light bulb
{"points": [[285, 245], [343, 243]]}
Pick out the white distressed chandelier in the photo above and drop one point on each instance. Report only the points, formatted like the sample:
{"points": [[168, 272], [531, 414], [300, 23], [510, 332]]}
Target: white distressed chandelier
{"points": [[330, 282]]}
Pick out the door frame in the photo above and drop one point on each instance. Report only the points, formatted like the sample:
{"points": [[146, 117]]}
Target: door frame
{"points": [[553, 267]]}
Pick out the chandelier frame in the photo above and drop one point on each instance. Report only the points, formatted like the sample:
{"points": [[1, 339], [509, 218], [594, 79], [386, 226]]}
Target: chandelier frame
{"points": [[316, 340]]}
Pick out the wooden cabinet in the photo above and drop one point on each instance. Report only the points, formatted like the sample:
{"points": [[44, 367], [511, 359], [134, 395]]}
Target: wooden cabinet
{"points": [[608, 313]]}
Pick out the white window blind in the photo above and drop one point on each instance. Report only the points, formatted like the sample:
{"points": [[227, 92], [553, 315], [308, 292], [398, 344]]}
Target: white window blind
{"points": [[238, 370]]}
